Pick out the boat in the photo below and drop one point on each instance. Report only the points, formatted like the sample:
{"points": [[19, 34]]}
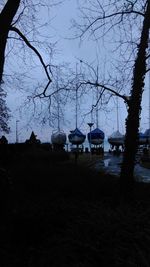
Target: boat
{"points": [[96, 137], [147, 136], [142, 139], [116, 139], [76, 137], [58, 137]]}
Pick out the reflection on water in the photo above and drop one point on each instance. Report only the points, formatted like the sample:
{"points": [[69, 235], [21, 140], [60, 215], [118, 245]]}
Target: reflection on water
{"points": [[142, 174], [112, 165], [106, 162]]}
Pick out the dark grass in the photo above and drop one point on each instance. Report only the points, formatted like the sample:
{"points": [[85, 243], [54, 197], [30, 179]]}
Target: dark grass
{"points": [[55, 213]]}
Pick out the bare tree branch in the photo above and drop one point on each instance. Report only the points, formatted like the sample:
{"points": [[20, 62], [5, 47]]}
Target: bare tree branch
{"points": [[12, 28], [113, 91]]}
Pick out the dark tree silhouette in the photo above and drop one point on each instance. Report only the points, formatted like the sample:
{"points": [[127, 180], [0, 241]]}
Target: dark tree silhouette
{"points": [[11, 15], [123, 15], [33, 140], [6, 18], [132, 122]]}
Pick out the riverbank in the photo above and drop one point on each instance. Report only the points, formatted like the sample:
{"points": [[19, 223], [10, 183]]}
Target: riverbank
{"points": [[59, 213]]}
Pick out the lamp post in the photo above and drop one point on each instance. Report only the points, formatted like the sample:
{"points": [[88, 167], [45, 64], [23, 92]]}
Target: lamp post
{"points": [[90, 124]]}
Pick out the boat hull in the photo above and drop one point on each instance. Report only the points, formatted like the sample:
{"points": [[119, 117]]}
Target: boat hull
{"points": [[76, 140], [76, 137], [147, 136], [96, 137], [96, 141], [58, 138], [142, 141], [116, 141]]}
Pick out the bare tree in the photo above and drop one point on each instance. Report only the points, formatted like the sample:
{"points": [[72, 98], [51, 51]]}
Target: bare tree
{"points": [[20, 17], [6, 17], [24, 48], [127, 24]]}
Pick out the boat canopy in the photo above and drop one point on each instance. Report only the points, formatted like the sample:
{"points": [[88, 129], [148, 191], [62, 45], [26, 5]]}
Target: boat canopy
{"points": [[76, 137], [116, 139], [141, 134], [116, 134], [76, 132], [147, 136], [147, 133], [96, 133]]}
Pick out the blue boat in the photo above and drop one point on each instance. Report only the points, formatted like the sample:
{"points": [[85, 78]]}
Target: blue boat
{"points": [[147, 136], [96, 137], [142, 139], [76, 137]]}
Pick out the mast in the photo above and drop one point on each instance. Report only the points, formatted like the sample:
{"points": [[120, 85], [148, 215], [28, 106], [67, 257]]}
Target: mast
{"points": [[117, 116], [97, 100], [76, 99], [58, 113], [58, 104], [97, 109], [91, 115]]}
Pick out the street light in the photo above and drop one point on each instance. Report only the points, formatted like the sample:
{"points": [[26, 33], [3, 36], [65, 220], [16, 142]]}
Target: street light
{"points": [[90, 124]]}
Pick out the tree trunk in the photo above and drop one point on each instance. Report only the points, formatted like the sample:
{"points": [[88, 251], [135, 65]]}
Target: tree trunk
{"points": [[6, 17], [134, 110]]}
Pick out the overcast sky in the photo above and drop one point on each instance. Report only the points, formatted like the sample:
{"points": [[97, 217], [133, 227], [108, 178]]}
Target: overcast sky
{"points": [[68, 51]]}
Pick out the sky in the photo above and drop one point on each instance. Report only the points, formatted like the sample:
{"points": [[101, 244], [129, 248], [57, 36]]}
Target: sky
{"points": [[70, 50]]}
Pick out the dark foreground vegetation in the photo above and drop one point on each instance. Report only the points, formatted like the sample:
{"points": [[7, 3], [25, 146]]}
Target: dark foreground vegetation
{"points": [[54, 213]]}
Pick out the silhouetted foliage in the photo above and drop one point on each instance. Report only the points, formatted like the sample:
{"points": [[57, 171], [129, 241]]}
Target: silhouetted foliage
{"points": [[33, 139], [134, 111], [4, 113]]}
